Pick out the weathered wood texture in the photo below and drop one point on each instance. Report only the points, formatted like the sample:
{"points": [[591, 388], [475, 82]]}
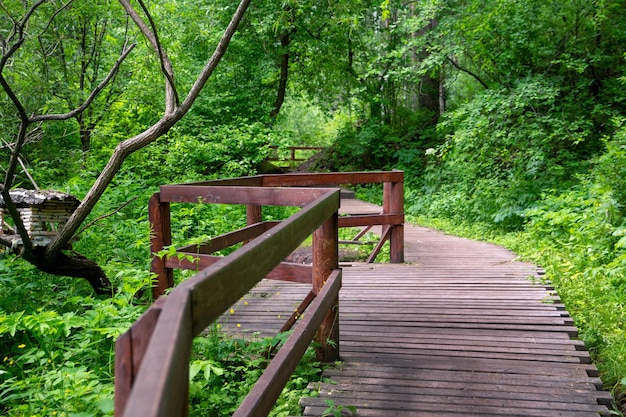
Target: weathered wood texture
{"points": [[152, 359], [270, 190], [261, 399], [461, 329]]}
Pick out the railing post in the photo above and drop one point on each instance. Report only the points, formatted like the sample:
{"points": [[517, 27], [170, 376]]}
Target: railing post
{"points": [[393, 203], [161, 236], [254, 214], [325, 260]]}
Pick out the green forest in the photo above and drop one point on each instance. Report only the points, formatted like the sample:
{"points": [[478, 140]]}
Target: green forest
{"points": [[507, 117]]}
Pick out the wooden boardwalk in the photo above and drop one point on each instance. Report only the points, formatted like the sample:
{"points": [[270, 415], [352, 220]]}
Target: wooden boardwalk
{"points": [[460, 329]]}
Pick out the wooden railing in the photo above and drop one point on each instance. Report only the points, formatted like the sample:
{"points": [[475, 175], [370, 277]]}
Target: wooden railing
{"points": [[293, 151], [152, 357]]}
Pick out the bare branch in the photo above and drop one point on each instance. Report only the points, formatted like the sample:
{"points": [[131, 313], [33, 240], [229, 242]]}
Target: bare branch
{"points": [[17, 219], [60, 9], [104, 216], [168, 74], [18, 30], [465, 70], [92, 96], [171, 96], [131, 145], [13, 160], [21, 162], [13, 97]]}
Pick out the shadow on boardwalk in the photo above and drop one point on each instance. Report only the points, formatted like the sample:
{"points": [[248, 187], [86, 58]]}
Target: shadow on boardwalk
{"points": [[461, 328]]}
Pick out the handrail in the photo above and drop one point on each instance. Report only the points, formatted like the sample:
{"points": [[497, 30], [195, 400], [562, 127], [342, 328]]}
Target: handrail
{"points": [[261, 190], [152, 357], [160, 380]]}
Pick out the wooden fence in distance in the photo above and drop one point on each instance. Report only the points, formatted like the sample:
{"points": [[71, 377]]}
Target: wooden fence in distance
{"points": [[296, 153]]}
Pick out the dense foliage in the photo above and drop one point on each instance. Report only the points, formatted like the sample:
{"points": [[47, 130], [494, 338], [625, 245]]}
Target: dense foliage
{"points": [[508, 117]]}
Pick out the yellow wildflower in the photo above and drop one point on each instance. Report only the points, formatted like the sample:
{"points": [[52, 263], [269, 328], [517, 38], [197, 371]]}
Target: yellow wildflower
{"points": [[22, 346]]}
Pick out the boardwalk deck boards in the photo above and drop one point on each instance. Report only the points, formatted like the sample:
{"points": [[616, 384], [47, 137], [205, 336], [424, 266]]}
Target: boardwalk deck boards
{"points": [[460, 329]]}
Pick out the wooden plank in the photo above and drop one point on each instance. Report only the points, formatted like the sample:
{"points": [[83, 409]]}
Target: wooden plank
{"points": [[332, 178], [309, 179], [370, 220], [465, 346], [130, 348], [228, 239], [123, 372], [249, 181], [433, 410], [464, 380], [384, 236], [462, 322], [297, 312], [446, 405], [401, 390], [285, 271], [263, 395], [161, 385], [240, 195]]}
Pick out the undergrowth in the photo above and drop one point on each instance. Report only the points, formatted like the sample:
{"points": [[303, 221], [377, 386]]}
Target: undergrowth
{"points": [[57, 340]]}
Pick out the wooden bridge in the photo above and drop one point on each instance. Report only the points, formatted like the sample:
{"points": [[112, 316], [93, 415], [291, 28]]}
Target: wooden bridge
{"points": [[460, 328]]}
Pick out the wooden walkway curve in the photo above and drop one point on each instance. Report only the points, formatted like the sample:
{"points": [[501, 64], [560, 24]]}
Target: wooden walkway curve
{"points": [[460, 329]]}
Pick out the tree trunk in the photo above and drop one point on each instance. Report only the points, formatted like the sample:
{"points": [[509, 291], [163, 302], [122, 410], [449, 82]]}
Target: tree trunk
{"points": [[76, 266], [285, 39], [53, 259]]}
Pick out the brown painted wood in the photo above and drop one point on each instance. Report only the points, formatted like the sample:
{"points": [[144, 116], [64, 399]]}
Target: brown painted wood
{"points": [[228, 239], [250, 263], [460, 329], [370, 220], [297, 312], [262, 397], [285, 271], [161, 385], [240, 195], [250, 181], [130, 348], [254, 214], [161, 236], [325, 261], [393, 203], [332, 178], [384, 236], [123, 372]]}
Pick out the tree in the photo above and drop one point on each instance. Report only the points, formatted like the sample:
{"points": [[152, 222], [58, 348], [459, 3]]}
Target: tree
{"points": [[22, 22]]}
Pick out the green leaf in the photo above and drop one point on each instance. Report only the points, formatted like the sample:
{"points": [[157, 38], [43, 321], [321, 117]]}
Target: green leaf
{"points": [[106, 406]]}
